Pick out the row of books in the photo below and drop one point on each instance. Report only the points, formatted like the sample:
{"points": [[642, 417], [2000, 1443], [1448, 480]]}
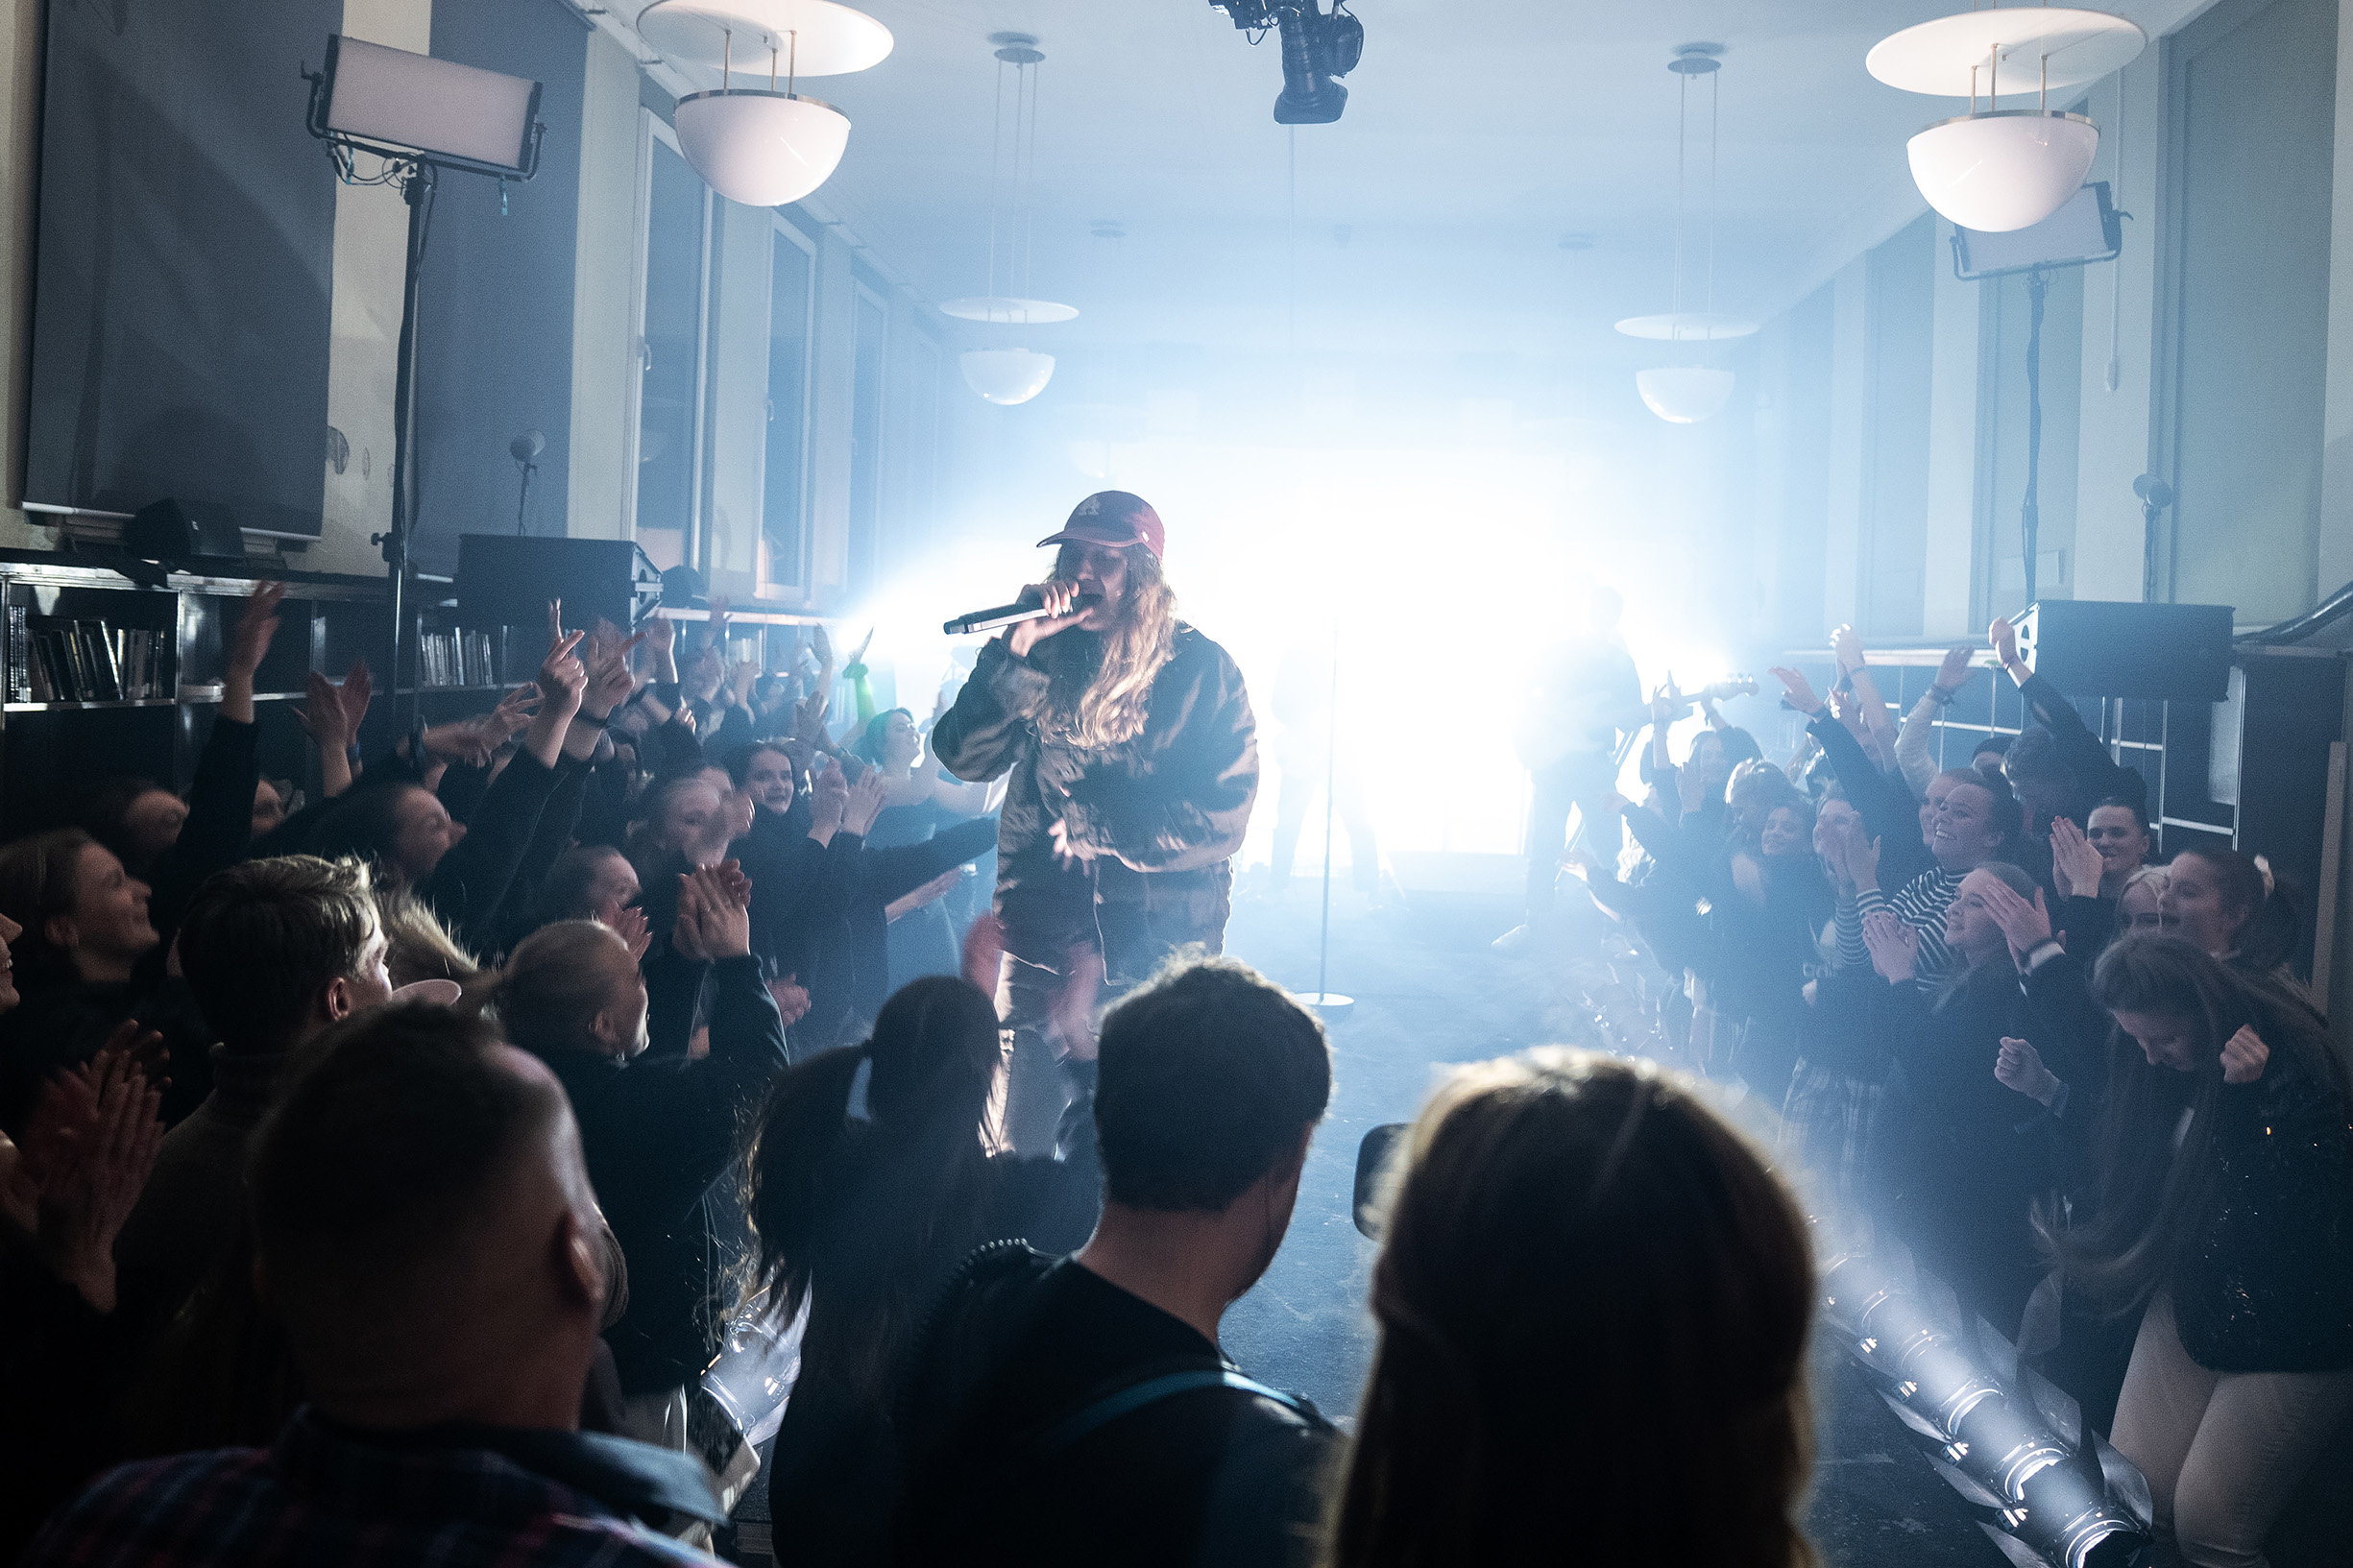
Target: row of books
{"points": [[456, 658], [51, 658]]}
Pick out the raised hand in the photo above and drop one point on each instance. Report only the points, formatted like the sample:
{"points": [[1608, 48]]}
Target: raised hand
{"points": [[563, 679], [2026, 926], [512, 712], [687, 923], [2020, 1065], [1798, 689], [931, 892], [866, 803], [829, 801], [628, 923], [1953, 673], [1847, 646], [809, 720], [2244, 1055], [1057, 596], [860, 656], [95, 1153], [1895, 947], [2005, 639], [722, 923], [247, 644], [2076, 866]]}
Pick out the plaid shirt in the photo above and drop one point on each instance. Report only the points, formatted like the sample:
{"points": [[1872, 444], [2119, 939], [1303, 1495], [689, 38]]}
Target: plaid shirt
{"points": [[316, 1497]]}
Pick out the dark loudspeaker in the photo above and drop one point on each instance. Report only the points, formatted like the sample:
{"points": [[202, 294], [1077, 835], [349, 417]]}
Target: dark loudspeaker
{"points": [[505, 580], [163, 531], [2162, 652]]}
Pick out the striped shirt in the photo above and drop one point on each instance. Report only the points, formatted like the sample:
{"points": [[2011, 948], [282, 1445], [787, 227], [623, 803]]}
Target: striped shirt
{"points": [[1920, 904]]}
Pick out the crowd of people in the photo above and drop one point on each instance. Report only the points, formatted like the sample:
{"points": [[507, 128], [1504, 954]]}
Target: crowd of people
{"points": [[2084, 1091], [383, 1177]]}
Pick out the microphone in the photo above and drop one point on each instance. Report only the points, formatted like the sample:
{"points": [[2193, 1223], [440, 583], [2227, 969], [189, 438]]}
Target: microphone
{"points": [[1009, 614], [526, 446]]}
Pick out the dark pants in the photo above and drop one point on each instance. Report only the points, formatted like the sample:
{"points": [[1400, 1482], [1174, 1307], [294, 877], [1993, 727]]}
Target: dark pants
{"points": [[1299, 790], [1574, 781]]}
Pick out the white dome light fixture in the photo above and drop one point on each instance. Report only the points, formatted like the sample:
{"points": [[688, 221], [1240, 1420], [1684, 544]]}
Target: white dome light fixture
{"points": [[1684, 394], [1998, 169], [758, 147], [1011, 376], [1687, 394], [1007, 375], [763, 146]]}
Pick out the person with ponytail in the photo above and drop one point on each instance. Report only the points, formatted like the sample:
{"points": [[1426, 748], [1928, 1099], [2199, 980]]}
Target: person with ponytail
{"points": [[2228, 904], [1592, 1299], [862, 1217], [2224, 1208]]}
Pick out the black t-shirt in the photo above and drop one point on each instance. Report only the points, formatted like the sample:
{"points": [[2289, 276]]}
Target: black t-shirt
{"points": [[1211, 1478]]}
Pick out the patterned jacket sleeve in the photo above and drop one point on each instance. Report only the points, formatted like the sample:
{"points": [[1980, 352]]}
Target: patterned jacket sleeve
{"points": [[977, 737], [1194, 808]]}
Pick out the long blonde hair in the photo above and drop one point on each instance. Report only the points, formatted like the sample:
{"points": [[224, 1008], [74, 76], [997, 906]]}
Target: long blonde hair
{"points": [[1101, 689]]}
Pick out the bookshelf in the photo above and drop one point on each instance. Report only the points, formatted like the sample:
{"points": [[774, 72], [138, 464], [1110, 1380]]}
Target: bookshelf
{"points": [[54, 750]]}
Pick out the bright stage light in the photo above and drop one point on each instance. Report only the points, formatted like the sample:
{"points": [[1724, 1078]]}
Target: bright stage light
{"points": [[371, 93]]}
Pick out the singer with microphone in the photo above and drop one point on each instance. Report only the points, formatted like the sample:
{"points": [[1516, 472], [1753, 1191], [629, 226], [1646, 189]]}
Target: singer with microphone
{"points": [[1134, 762]]}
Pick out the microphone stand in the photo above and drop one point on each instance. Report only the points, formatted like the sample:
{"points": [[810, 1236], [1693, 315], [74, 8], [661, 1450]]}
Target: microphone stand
{"points": [[1322, 998]]}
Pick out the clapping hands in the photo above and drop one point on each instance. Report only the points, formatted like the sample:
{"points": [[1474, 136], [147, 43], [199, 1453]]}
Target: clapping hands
{"points": [[713, 913]]}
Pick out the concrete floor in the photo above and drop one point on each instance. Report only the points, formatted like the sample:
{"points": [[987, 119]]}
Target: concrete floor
{"points": [[1430, 991]]}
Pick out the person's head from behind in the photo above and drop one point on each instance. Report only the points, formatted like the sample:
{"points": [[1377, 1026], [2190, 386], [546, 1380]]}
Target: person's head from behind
{"points": [[1210, 1085], [2118, 829], [588, 881], [572, 986], [2218, 895], [417, 945], [1977, 820], [399, 828], [1593, 1299], [935, 1060], [84, 917], [278, 951], [2142, 905], [765, 775], [139, 819], [425, 1229], [2042, 783], [1986, 755], [1970, 928]]}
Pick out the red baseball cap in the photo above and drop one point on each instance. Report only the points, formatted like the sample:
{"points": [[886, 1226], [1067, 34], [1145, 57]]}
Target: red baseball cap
{"points": [[1114, 519]]}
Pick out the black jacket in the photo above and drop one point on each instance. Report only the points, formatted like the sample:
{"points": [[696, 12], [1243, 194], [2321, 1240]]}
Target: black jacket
{"points": [[659, 1132], [1020, 1344], [1165, 812], [893, 1238]]}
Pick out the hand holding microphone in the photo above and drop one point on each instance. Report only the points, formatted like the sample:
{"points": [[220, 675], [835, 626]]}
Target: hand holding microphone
{"points": [[1035, 605], [1060, 602]]}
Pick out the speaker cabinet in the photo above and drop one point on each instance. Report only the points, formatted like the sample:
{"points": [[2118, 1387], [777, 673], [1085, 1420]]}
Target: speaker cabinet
{"points": [[2099, 648], [508, 579]]}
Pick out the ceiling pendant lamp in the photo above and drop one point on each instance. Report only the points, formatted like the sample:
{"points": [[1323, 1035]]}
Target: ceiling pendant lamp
{"points": [[1011, 376], [1687, 394], [2001, 169], [763, 146]]}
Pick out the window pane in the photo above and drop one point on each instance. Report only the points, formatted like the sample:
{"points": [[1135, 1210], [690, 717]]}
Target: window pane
{"points": [[866, 442], [790, 276], [674, 320]]}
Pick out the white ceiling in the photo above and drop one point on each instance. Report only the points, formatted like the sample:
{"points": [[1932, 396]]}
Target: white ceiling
{"points": [[1429, 219]]}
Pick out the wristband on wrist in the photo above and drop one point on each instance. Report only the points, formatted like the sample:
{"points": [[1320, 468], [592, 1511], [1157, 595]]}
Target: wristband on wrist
{"points": [[591, 720]]}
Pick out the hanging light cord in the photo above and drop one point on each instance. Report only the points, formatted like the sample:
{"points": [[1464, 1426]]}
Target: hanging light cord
{"points": [[1682, 95], [1029, 180], [1292, 228], [996, 176], [1715, 94]]}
